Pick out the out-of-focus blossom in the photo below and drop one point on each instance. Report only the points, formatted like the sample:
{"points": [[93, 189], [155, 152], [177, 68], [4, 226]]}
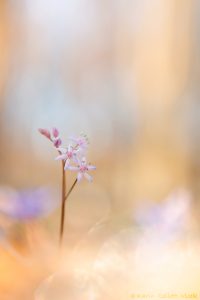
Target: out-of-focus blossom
{"points": [[26, 204], [53, 136], [67, 154], [82, 168], [168, 219]]}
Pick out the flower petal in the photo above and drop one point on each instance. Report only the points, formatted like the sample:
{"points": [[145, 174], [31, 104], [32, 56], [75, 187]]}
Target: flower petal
{"points": [[67, 164], [88, 177], [83, 161], [72, 168], [79, 176], [61, 157], [70, 147], [62, 150], [75, 159], [91, 167]]}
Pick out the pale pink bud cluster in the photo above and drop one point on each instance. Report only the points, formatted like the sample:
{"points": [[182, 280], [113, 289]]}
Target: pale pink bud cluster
{"points": [[53, 136]]}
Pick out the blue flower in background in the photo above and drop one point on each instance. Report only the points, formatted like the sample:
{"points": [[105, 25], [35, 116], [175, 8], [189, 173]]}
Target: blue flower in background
{"points": [[166, 220], [27, 204]]}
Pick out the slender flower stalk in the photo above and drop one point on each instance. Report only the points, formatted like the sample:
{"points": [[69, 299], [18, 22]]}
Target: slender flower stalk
{"points": [[62, 219], [73, 159], [71, 189]]}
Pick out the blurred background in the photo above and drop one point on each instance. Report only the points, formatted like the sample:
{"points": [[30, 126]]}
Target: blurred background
{"points": [[124, 72]]}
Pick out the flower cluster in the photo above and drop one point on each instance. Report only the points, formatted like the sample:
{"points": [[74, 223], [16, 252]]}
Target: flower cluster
{"points": [[74, 155]]}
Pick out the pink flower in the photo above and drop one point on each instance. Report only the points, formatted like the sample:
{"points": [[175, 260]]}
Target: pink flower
{"points": [[82, 170], [54, 136], [81, 142], [68, 154]]}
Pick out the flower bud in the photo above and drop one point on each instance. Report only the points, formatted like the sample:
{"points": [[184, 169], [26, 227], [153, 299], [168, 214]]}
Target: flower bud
{"points": [[55, 132], [45, 132], [57, 142]]}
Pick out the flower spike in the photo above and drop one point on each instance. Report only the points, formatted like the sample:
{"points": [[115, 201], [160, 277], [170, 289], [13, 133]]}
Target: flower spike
{"points": [[73, 159]]}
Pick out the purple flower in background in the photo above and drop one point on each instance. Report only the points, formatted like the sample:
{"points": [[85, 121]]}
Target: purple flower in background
{"points": [[26, 204], [166, 220]]}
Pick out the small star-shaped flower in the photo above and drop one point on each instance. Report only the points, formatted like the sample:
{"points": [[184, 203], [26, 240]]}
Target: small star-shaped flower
{"points": [[67, 154], [82, 170]]}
